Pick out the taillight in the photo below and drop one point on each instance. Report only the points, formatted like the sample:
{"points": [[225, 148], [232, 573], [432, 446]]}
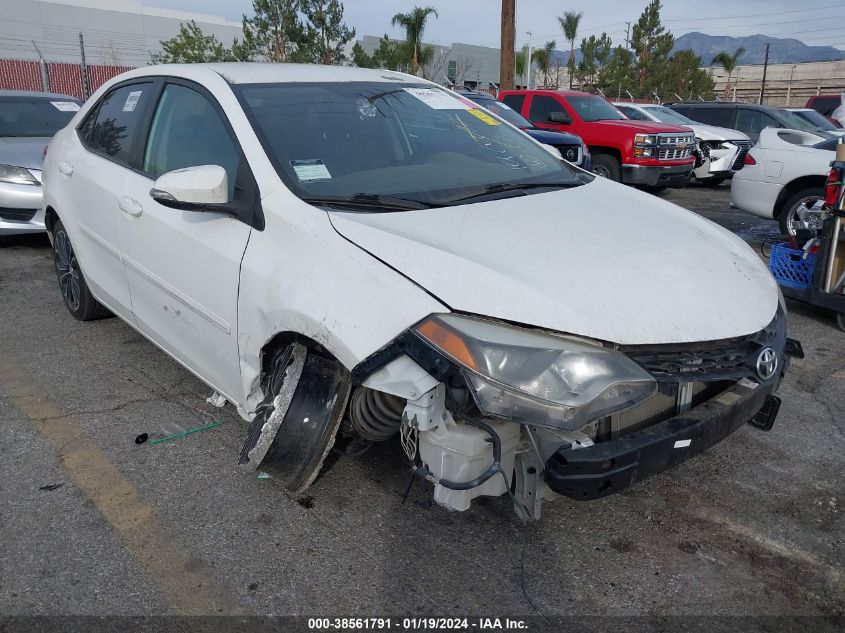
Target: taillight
{"points": [[832, 187], [749, 160]]}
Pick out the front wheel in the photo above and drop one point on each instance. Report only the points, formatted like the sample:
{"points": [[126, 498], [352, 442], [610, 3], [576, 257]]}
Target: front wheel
{"points": [[607, 166], [790, 220], [77, 296]]}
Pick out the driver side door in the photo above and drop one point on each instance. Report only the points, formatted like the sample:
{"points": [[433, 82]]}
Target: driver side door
{"points": [[183, 267]]}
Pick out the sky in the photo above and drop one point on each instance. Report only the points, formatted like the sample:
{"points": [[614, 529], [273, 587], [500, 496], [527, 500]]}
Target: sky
{"points": [[816, 22]]}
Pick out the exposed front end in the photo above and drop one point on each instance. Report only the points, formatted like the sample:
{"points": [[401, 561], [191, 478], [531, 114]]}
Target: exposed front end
{"points": [[717, 159]]}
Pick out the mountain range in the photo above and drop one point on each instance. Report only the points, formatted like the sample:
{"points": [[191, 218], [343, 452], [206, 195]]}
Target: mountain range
{"points": [[781, 51]]}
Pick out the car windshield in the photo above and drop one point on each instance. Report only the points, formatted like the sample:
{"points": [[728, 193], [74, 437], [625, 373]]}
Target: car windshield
{"points": [[365, 142], [816, 119], [667, 115], [35, 116], [504, 111], [592, 108]]}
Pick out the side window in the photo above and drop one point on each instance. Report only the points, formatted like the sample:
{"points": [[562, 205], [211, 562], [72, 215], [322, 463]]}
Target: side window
{"points": [[118, 121], [752, 122], [514, 102], [187, 132], [712, 116], [542, 107]]}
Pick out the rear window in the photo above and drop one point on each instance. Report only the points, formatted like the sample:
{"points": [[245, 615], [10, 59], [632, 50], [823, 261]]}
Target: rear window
{"points": [[35, 116]]}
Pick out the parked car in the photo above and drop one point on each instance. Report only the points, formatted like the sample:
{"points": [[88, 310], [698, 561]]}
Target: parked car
{"points": [[361, 254], [825, 105], [651, 155], [719, 152], [570, 146], [785, 171], [27, 121], [748, 118], [818, 121]]}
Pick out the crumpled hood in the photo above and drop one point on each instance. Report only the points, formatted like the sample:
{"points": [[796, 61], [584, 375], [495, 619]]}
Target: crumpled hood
{"points": [[601, 260], [23, 151]]}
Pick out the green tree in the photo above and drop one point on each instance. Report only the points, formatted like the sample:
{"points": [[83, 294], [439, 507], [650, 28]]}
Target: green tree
{"points": [[569, 24], [729, 63], [192, 46], [543, 58], [595, 54], [326, 30], [619, 74], [414, 25], [652, 44], [390, 55], [685, 77], [520, 63], [275, 32]]}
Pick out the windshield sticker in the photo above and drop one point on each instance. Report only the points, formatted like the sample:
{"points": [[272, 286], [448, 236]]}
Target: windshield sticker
{"points": [[437, 99], [483, 116], [311, 170], [132, 101], [66, 106]]}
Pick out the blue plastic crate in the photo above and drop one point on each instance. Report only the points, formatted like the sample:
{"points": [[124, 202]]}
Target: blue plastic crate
{"points": [[790, 268]]}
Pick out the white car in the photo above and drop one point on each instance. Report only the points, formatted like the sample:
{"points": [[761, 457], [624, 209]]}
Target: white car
{"points": [[783, 173], [719, 152], [360, 255]]}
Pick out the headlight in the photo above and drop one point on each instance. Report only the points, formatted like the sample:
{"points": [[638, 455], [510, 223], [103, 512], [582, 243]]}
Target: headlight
{"points": [[16, 175], [645, 139], [538, 378]]}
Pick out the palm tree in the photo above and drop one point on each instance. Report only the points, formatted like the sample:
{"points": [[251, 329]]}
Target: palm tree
{"points": [[728, 62], [414, 25], [520, 61], [569, 23], [543, 58]]}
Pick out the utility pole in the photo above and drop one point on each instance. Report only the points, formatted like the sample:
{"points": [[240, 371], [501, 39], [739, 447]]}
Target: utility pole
{"points": [[528, 63], [789, 87], [42, 65], [765, 68], [84, 67], [508, 43], [627, 35]]}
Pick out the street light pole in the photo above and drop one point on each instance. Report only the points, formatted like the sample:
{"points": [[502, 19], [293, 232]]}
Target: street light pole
{"points": [[789, 87]]}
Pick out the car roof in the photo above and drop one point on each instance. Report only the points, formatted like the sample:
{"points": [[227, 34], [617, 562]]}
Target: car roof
{"points": [[722, 104], [32, 93], [562, 93], [262, 72]]}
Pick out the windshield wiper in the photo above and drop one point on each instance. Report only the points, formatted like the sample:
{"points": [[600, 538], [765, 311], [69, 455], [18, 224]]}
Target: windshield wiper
{"points": [[370, 201], [503, 187]]}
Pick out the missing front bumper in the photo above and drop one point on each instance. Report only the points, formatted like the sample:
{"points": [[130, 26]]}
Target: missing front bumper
{"points": [[612, 466]]}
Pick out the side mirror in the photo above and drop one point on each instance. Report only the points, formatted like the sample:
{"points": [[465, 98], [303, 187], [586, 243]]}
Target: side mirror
{"points": [[193, 189], [560, 117]]}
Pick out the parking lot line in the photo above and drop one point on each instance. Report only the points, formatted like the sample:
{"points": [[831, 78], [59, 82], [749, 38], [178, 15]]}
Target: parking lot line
{"points": [[188, 584]]}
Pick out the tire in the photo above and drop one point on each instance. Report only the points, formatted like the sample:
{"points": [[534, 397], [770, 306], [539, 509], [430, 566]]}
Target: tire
{"points": [[787, 218], [607, 166], [75, 292]]}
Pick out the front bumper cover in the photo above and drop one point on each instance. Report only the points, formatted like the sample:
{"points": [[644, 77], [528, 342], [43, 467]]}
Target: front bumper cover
{"points": [[657, 176], [610, 467]]}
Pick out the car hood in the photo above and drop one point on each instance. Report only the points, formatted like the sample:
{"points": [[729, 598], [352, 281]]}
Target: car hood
{"points": [[550, 137], [600, 260], [647, 127], [715, 133], [23, 151]]}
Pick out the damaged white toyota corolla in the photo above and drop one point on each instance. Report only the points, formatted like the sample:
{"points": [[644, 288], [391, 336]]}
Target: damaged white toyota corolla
{"points": [[353, 256]]}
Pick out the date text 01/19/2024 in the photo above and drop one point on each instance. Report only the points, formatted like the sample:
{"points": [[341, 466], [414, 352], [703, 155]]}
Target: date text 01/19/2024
{"points": [[416, 624]]}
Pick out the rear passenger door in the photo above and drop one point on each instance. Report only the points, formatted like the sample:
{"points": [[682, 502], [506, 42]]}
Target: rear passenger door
{"points": [[183, 266]]}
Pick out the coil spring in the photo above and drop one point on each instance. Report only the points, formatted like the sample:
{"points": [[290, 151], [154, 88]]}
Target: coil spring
{"points": [[373, 415]]}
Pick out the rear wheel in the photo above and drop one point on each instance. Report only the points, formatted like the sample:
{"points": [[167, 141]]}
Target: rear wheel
{"points": [[607, 166], [77, 297], [789, 219]]}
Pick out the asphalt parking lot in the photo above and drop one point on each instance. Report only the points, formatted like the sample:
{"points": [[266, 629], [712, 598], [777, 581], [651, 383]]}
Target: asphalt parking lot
{"points": [[92, 523]]}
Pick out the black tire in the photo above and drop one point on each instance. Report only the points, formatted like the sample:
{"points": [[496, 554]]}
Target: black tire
{"points": [[75, 292], [607, 166], [786, 215]]}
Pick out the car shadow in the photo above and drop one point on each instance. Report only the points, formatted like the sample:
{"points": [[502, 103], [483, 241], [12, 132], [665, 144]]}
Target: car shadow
{"points": [[33, 240]]}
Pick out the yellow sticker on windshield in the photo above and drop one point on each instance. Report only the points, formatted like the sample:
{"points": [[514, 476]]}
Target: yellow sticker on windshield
{"points": [[483, 116]]}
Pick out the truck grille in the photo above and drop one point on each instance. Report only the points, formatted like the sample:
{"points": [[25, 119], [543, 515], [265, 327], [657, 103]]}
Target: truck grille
{"points": [[675, 147], [743, 146]]}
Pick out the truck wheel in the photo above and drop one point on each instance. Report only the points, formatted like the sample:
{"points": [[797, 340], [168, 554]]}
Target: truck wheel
{"points": [[788, 216], [77, 297], [607, 166]]}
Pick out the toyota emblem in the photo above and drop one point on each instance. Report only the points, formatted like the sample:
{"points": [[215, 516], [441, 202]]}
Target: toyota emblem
{"points": [[767, 364]]}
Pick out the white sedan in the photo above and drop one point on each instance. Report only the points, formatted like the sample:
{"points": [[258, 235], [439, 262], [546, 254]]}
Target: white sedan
{"points": [[783, 173], [359, 255], [719, 152]]}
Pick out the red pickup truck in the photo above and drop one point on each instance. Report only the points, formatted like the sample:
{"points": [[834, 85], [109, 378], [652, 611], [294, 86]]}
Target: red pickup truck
{"points": [[653, 156]]}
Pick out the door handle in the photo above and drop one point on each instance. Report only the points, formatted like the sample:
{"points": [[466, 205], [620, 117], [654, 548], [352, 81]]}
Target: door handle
{"points": [[66, 168], [130, 206]]}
